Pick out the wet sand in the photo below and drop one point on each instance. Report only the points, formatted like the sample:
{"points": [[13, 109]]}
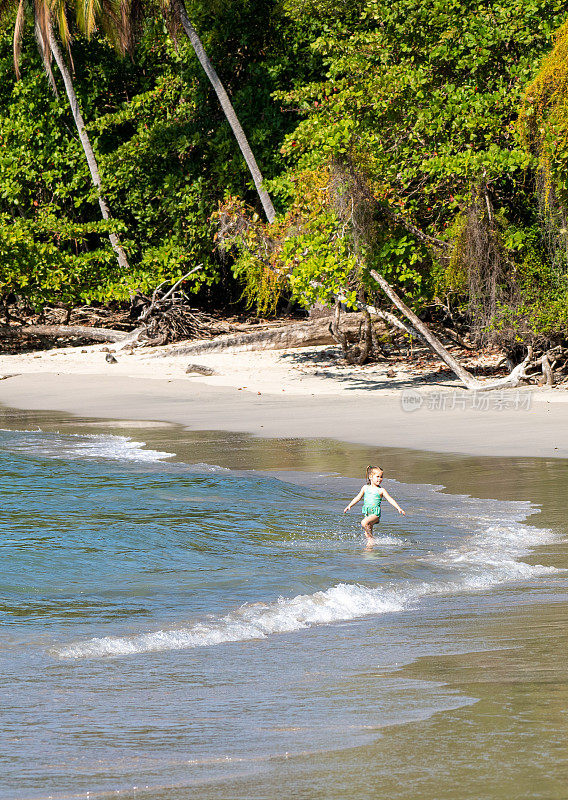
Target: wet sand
{"points": [[508, 744], [524, 423]]}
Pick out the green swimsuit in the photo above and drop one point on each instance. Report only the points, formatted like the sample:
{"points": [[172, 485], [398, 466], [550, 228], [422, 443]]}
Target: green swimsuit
{"points": [[371, 501]]}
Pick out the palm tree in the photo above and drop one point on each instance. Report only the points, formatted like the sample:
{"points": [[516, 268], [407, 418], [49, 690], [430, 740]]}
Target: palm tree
{"points": [[45, 13], [120, 27], [177, 7]]}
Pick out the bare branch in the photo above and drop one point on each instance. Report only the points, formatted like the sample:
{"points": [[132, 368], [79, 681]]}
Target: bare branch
{"points": [[156, 302]]}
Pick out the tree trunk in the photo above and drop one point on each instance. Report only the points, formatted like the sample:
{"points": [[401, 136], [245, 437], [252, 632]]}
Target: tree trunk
{"points": [[365, 340], [301, 334], [89, 153], [227, 107], [513, 379], [70, 331], [436, 345], [365, 337], [547, 370]]}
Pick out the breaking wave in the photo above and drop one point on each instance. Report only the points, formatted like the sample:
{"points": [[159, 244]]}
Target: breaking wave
{"points": [[490, 557]]}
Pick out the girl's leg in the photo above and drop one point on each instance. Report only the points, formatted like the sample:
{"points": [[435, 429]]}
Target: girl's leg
{"points": [[367, 525]]}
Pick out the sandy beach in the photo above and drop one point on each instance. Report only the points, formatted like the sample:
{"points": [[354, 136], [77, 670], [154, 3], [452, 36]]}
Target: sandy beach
{"points": [[306, 392]]}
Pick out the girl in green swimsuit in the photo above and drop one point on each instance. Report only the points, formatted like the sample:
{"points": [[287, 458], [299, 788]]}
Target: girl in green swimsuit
{"points": [[372, 495]]}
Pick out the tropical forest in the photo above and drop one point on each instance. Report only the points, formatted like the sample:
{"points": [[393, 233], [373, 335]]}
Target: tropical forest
{"points": [[178, 163]]}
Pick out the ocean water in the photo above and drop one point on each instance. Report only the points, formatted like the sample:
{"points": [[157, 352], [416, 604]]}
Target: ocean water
{"points": [[168, 626]]}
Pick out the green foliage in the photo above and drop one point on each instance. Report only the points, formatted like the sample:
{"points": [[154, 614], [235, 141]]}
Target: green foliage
{"points": [[544, 116], [304, 250], [262, 288], [420, 99], [543, 295], [166, 153], [386, 129], [543, 124], [540, 315], [450, 278], [34, 264], [412, 123]]}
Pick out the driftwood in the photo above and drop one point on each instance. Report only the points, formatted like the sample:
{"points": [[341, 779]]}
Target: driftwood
{"points": [[157, 300], [302, 334], [385, 316], [167, 317], [433, 341], [66, 331], [413, 326], [199, 369], [554, 360]]}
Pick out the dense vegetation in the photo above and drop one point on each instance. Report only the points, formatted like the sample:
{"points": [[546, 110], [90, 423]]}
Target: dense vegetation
{"points": [[423, 138], [166, 154]]}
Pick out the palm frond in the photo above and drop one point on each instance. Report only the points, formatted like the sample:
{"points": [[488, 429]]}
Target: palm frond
{"points": [[131, 15], [18, 34], [59, 16], [170, 14], [116, 23], [87, 13], [42, 18]]}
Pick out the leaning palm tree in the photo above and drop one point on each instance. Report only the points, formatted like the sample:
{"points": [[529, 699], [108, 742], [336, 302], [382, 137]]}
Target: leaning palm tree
{"points": [[45, 15], [178, 10], [120, 29]]}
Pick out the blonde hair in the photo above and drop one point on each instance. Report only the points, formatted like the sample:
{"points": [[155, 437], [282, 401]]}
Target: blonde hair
{"points": [[370, 469]]}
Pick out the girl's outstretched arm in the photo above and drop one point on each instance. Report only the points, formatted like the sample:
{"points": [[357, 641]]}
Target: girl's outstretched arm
{"points": [[355, 500], [392, 501]]}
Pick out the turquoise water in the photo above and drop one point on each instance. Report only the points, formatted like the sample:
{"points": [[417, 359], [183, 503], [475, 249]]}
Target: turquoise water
{"points": [[165, 624]]}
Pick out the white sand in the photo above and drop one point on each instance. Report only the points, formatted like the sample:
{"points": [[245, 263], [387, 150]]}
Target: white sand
{"points": [[289, 394], [304, 371]]}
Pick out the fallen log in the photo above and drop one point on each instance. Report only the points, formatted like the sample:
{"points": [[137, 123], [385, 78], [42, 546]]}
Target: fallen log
{"points": [[63, 331], [512, 380], [435, 344], [385, 316], [303, 334]]}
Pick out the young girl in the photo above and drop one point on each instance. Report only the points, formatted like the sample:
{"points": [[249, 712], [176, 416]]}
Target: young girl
{"points": [[372, 494]]}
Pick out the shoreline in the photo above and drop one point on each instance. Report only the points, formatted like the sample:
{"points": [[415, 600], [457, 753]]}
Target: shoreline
{"points": [[520, 642], [286, 395]]}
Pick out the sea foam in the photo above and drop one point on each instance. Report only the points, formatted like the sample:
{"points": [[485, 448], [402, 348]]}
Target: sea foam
{"points": [[485, 559], [80, 446]]}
